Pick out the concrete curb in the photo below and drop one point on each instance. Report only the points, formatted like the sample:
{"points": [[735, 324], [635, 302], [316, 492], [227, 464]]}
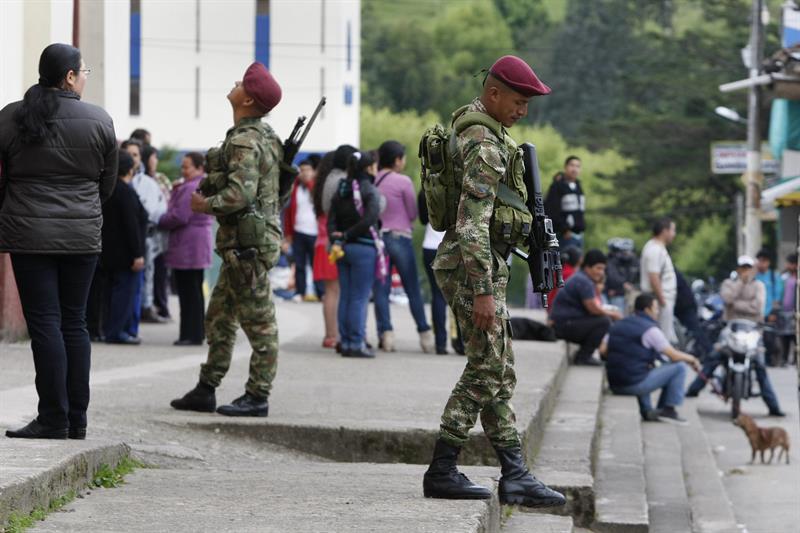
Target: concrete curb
{"points": [[711, 509], [619, 483], [377, 444], [25, 487]]}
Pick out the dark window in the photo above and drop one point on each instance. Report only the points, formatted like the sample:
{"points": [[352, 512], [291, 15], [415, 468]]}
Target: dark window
{"points": [[262, 32], [136, 56]]}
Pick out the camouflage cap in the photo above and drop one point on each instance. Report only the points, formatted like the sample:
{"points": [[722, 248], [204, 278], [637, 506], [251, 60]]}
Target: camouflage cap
{"points": [[259, 84], [516, 73]]}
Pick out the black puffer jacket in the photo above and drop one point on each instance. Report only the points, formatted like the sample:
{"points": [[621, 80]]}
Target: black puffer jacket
{"points": [[51, 193]]}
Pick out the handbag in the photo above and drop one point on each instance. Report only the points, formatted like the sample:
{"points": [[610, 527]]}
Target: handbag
{"points": [[382, 259]]}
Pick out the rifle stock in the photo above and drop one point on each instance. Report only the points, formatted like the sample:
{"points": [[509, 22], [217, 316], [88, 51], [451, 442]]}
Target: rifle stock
{"points": [[544, 261]]}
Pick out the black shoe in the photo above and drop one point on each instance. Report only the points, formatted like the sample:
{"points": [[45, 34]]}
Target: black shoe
{"points": [[519, 487], [125, 339], [691, 393], [77, 433], [441, 351], [443, 480], [588, 361], [35, 430], [187, 342], [651, 416], [364, 353], [201, 398], [669, 414], [776, 412], [246, 405]]}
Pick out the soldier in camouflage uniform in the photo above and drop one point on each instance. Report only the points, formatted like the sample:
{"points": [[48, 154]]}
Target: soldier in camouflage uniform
{"points": [[472, 272], [242, 192]]}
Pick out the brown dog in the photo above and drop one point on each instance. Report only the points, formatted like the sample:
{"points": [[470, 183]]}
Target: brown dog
{"points": [[764, 438]]}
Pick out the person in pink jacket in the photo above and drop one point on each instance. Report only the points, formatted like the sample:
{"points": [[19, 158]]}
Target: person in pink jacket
{"points": [[189, 251]]}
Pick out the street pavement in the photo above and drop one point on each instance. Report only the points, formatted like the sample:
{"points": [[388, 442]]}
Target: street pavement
{"points": [[765, 498], [207, 479]]}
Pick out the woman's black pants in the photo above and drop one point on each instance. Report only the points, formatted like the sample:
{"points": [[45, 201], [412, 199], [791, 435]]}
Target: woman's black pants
{"points": [[53, 290], [190, 295]]}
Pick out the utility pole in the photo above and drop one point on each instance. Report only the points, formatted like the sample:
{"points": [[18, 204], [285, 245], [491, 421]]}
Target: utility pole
{"points": [[753, 177]]}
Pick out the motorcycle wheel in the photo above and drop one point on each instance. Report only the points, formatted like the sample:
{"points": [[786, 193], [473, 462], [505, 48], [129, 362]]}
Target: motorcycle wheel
{"points": [[737, 393]]}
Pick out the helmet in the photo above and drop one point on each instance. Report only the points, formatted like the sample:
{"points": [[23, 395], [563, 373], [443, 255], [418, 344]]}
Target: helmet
{"points": [[620, 244]]}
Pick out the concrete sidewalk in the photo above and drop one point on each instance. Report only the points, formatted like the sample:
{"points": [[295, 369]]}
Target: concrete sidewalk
{"points": [[356, 411]]}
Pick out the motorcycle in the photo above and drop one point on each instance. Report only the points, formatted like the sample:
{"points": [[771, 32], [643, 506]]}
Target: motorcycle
{"points": [[740, 343], [709, 313]]}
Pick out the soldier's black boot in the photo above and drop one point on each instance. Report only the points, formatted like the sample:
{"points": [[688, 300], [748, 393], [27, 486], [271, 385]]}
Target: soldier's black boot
{"points": [[246, 405], [518, 486], [201, 398], [443, 480]]}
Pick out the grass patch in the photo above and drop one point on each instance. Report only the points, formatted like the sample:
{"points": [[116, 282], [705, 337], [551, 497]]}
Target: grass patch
{"points": [[18, 523], [109, 478], [105, 477]]}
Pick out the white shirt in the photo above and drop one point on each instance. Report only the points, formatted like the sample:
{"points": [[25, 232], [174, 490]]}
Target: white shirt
{"points": [[432, 238], [153, 200], [305, 221], [656, 260]]}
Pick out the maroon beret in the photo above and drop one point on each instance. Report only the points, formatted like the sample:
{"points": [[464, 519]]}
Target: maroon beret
{"points": [[516, 73], [259, 84]]}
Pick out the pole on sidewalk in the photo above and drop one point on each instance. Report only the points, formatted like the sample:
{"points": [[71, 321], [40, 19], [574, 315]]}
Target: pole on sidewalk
{"points": [[753, 178]]}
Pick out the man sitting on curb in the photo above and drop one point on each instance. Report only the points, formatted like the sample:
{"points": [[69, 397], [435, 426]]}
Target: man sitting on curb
{"points": [[577, 314], [744, 299], [632, 347]]}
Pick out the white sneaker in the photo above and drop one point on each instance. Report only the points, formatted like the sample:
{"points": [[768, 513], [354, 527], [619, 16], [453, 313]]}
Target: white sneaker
{"points": [[387, 341], [427, 342]]}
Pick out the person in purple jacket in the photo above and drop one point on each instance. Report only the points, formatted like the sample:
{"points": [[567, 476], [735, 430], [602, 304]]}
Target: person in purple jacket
{"points": [[189, 251], [396, 225]]}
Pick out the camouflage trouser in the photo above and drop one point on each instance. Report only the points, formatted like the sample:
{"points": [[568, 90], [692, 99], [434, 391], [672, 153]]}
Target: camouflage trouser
{"points": [[488, 381], [243, 296]]}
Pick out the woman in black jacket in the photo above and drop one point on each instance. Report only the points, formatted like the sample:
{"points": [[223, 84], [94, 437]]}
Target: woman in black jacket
{"points": [[352, 222], [58, 163]]}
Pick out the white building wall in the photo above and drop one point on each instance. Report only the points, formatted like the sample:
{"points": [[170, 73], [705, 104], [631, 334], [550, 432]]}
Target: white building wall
{"points": [[172, 108], [11, 38]]}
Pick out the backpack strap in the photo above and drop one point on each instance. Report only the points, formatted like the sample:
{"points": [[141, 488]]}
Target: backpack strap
{"points": [[464, 120]]}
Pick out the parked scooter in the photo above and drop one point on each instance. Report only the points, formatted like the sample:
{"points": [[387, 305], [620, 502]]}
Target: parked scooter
{"points": [[709, 312]]}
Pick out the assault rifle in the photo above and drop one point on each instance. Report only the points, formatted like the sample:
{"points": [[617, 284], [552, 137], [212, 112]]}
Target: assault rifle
{"points": [[543, 256], [290, 148]]}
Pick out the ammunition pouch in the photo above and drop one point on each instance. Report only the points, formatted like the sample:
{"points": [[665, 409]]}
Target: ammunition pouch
{"points": [[251, 230]]}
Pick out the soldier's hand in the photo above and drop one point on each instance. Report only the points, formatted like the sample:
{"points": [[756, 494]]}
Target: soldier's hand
{"points": [[483, 311], [138, 264], [199, 203]]}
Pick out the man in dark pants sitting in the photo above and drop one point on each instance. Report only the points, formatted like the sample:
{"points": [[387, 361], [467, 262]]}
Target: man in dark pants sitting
{"points": [[632, 347], [578, 315]]}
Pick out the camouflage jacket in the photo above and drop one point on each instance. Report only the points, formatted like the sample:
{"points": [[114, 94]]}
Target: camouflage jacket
{"points": [[484, 157], [251, 153]]}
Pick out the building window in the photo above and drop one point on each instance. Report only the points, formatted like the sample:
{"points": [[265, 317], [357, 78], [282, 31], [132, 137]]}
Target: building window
{"points": [[136, 57], [349, 46], [348, 94], [322, 27], [262, 32]]}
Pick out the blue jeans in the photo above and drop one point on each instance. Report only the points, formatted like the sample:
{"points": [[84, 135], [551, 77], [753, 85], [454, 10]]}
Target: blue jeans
{"points": [[401, 255], [767, 392], [438, 303], [303, 252], [132, 326], [356, 276], [668, 377]]}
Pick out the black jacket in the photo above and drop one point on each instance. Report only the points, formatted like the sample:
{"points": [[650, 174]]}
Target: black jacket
{"points": [[124, 228], [51, 193], [344, 216], [565, 205]]}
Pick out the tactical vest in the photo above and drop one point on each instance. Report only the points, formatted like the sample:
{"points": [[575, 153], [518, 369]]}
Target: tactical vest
{"points": [[443, 174], [254, 221]]}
